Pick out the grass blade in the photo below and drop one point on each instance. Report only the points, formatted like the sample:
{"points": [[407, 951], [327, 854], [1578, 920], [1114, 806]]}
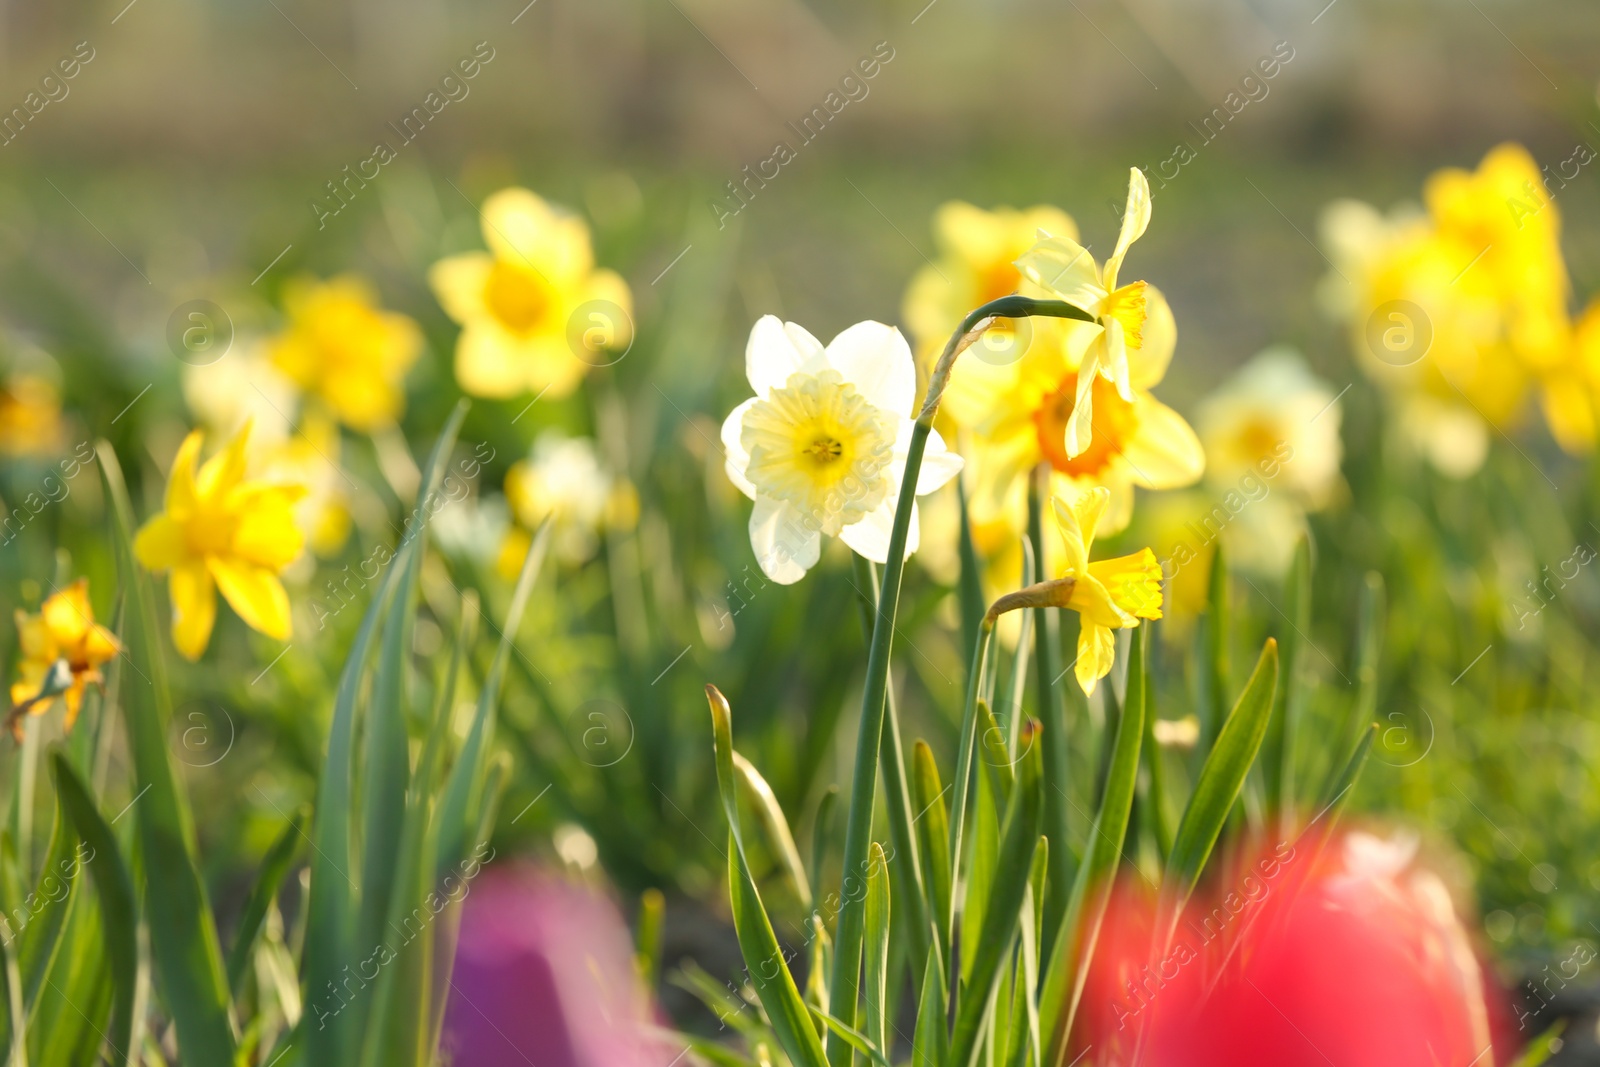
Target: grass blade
{"points": [[1073, 950], [183, 935], [877, 954], [1278, 749], [763, 956], [1221, 778], [330, 935], [1215, 665], [933, 832], [118, 906], [1008, 891], [275, 867], [930, 1042], [765, 803]]}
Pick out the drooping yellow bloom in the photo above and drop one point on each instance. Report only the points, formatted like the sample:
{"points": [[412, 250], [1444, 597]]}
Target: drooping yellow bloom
{"points": [[62, 650], [30, 416], [977, 250], [1064, 268], [1108, 594], [344, 348], [517, 302], [222, 531], [563, 480], [1459, 312]]}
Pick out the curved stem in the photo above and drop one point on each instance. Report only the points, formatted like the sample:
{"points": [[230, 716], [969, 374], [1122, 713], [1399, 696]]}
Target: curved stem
{"points": [[844, 989]]}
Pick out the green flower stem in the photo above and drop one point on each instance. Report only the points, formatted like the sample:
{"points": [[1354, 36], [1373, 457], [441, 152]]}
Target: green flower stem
{"points": [[911, 900], [863, 789], [1052, 710]]}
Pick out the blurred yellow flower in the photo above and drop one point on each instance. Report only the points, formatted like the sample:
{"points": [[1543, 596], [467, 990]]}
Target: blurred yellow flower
{"points": [[224, 394], [30, 416], [1108, 594], [1065, 269], [62, 650], [977, 250], [1273, 414], [221, 531], [344, 348], [1459, 312], [516, 302], [564, 480]]}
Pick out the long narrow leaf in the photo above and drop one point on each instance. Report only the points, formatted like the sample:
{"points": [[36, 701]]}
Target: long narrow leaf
{"points": [[1221, 778], [764, 957], [1008, 891], [877, 953], [118, 905], [183, 934], [1074, 948]]}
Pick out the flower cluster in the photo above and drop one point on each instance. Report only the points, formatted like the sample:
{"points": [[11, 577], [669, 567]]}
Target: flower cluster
{"points": [[821, 447], [1461, 310]]}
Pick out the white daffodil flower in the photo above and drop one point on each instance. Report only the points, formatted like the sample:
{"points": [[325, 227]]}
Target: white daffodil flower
{"points": [[821, 447]]}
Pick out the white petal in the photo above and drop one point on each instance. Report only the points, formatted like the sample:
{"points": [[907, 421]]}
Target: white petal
{"points": [[785, 547], [877, 361], [735, 458], [870, 536], [775, 351], [938, 463]]}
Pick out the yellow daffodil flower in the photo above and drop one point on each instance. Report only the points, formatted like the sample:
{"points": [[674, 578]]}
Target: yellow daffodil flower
{"points": [[1107, 594], [516, 302], [975, 264], [223, 532], [62, 650], [1065, 269], [1016, 416], [224, 394], [821, 447], [30, 416], [1571, 397], [344, 348], [564, 480], [1461, 311]]}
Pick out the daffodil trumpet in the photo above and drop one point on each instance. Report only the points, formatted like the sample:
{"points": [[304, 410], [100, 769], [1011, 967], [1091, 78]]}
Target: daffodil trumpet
{"points": [[864, 779]]}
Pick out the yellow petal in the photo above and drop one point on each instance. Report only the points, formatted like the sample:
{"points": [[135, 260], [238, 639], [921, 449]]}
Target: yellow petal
{"points": [[181, 494], [488, 363], [1097, 651], [34, 637], [194, 608], [255, 594], [524, 230], [1135, 219], [1134, 582], [1065, 268], [608, 285], [67, 614], [458, 283], [267, 534], [1147, 363], [1092, 601], [160, 544], [1164, 452], [1075, 533], [100, 645], [225, 470]]}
